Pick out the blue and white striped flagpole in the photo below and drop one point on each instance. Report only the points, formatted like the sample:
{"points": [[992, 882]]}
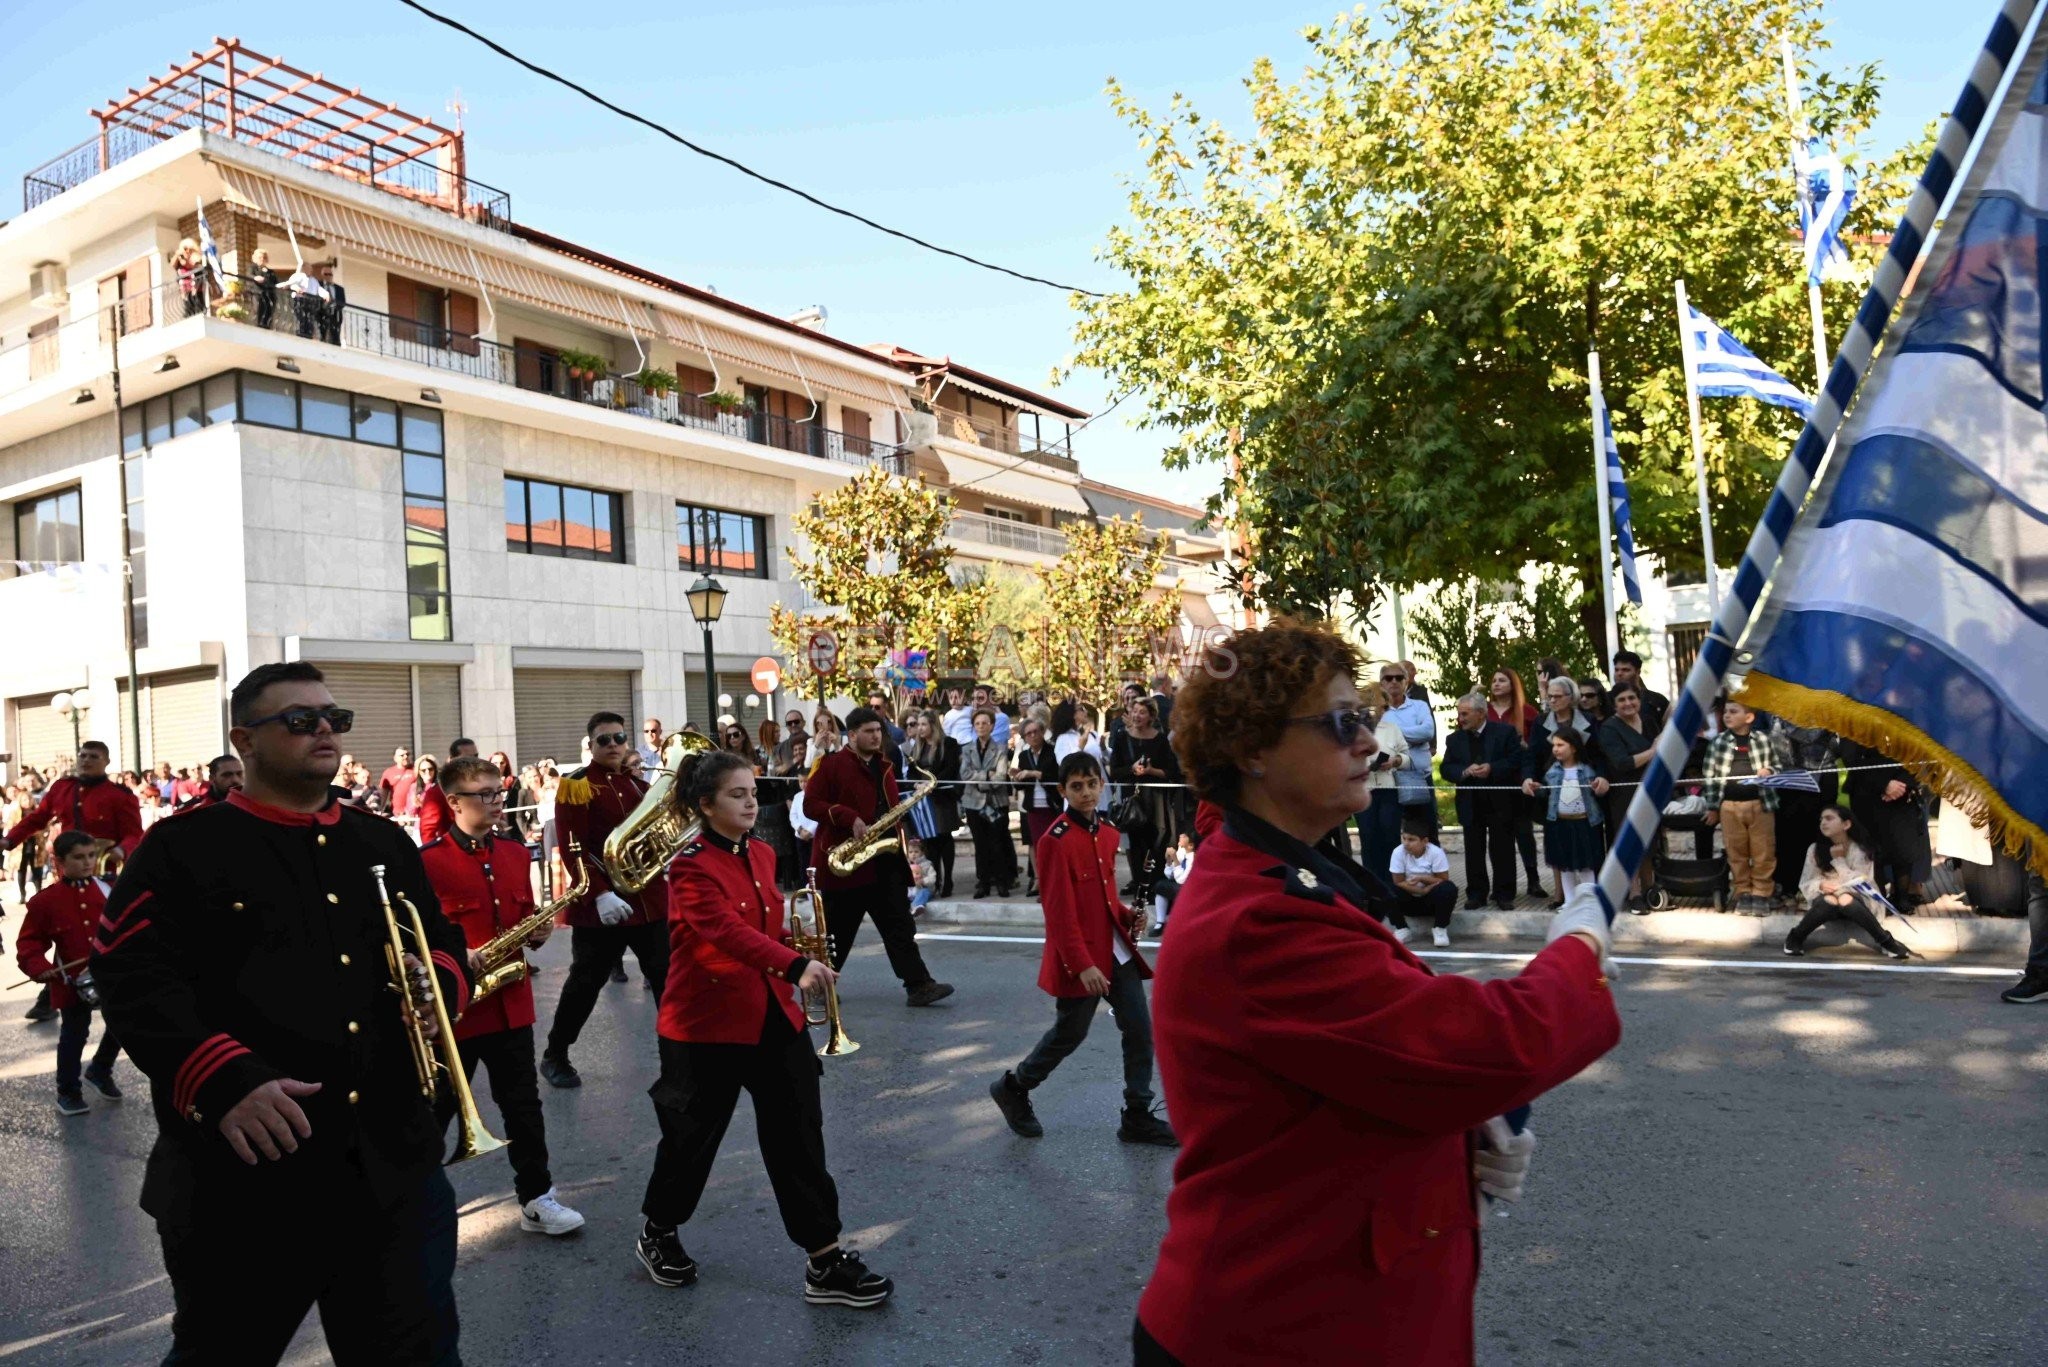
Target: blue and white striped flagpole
{"points": [[1760, 558]]}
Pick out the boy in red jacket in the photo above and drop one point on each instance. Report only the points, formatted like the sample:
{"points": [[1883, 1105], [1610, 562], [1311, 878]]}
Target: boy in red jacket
{"points": [[1091, 951], [63, 917]]}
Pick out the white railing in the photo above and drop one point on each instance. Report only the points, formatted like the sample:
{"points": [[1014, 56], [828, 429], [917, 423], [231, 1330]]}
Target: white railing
{"points": [[1016, 536]]}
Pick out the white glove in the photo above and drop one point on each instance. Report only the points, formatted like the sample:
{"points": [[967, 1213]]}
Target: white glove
{"points": [[1582, 913], [612, 908], [1501, 1162]]}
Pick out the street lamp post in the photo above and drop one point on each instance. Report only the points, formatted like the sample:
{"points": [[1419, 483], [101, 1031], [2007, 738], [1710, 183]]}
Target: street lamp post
{"points": [[74, 706], [707, 603]]}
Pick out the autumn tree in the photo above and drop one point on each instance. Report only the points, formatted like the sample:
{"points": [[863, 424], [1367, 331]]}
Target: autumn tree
{"points": [[1106, 619], [1374, 307]]}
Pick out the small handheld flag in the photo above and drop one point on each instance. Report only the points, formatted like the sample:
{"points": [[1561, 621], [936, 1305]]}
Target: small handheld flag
{"points": [[1723, 368], [1794, 780]]}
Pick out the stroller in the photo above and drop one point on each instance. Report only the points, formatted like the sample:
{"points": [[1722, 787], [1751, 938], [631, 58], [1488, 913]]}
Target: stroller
{"points": [[1678, 866]]}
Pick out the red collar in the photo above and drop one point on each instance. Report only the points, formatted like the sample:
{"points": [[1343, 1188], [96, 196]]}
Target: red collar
{"points": [[326, 816]]}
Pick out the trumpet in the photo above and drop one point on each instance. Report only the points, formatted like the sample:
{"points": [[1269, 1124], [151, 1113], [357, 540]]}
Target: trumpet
{"points": [[499, 963], [809, 936], [419, 992]]}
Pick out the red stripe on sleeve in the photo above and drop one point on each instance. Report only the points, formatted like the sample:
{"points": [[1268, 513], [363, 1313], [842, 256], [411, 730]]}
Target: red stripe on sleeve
{"points": [[111, 945], [181, 1084], [129, 910], [446, 960], [219, 1060]]}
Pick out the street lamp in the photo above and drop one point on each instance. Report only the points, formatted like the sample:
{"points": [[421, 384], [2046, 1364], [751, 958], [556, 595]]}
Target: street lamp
{"points": [[75, 706], [707, 603]]}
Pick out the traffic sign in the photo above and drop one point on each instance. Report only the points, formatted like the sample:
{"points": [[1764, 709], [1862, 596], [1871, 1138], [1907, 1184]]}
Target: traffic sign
{"points": [[767, 675], [824, 651]]}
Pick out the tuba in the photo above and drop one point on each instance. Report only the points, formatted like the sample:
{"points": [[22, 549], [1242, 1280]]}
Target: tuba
{"points": [[882, 833], [809, 936], [639, 848], [499, 962], [420, 993]]}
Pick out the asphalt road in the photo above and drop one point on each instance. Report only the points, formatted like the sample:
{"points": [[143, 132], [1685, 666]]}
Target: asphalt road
{"points": [[1775, 1167]]}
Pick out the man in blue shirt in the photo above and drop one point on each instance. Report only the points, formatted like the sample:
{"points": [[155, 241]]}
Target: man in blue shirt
{"points": [[1418, 725]]}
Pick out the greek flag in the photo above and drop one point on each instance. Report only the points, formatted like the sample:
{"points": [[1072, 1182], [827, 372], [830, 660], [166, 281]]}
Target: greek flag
{"points": [[1795, 780], [1827, 192], [1910, 611], [1723, 368], [1617, 502], [207, 249]]}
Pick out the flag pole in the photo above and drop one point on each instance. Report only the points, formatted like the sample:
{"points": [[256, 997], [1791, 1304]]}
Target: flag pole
{"points": [[1699, 452], [1766, 545], [1796, 109], [1600, 501]]}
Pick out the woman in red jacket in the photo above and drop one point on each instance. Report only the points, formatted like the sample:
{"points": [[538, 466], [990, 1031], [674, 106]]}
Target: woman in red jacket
{"points": [[1329, 1091], [730, 1018]]}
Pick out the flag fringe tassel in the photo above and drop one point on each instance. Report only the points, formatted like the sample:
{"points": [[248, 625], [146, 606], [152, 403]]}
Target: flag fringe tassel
{"points": [[1955, 779]]}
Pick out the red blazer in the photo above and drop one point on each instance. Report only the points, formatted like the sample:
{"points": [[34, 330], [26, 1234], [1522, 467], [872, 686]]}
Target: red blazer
{"points": [[589, 803], [1323, 1083], [727, 958], [63, 916], [1077, 885], [840, 789], [482, 906], [105, 811]]}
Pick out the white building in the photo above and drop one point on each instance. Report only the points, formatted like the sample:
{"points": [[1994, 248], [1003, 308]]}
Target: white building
{"points": [[474, 491]]}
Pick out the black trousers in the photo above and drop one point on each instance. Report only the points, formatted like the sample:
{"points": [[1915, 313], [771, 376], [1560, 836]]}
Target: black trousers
{"points": [[887, 902], [1858, 913], [1070, 1021], [939, 849], [1896, 833], [242, 1281], [72, 1029], [507, 1056], [995, 858], [593, 951], [694, 1100], [1439, 903], [1525, 813], [1489, 846], [2037, 924], [1799, 826], [1143, 854]]}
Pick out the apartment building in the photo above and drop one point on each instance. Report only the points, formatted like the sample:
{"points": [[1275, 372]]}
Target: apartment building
{"points": [[469, 468]]}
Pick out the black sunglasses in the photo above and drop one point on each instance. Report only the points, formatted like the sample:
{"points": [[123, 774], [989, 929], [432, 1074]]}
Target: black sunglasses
{"points": [[1341, 724], [610, 738], [304, 721]]}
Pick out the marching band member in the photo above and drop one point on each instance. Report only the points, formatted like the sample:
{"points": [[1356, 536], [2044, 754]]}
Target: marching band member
{"points": [[732, 1018], [604, 923], [56, 938], [223, 776], [485, 886], [435, 814], [849, 789], [1339, 1104], [242, 963]]}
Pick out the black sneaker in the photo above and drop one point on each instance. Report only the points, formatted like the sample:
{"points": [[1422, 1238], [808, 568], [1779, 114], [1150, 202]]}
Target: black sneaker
{"points": [[2031, 988], [1895, 950], [1142, 1126], [663, 1256], [925, 993], [845, 1280], [619, 972], [102, 1080], [71, 1103], [1794, 950], [40, 1010], [1015, 1104], [559, 1071]]}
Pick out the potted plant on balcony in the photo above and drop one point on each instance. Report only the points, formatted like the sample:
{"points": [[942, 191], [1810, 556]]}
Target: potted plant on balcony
{"points": [[724, 401], [659, 383], [582, 365]]}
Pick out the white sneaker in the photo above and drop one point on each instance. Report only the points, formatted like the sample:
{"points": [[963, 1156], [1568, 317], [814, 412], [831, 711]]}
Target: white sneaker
{"points": [[545, 1215], [1401, 934], [1439, 936]]}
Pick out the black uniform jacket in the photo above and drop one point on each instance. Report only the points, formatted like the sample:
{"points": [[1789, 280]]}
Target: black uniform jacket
{"points": [[245, 943]]}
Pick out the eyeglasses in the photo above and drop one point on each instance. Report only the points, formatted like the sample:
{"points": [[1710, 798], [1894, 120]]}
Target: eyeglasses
{"points": [[653, 731], [493, 797], [1341, 725], [304, 721], [1393, 678], [610, 738]]}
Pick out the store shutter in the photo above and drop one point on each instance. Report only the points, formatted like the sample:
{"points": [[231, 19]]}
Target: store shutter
{"points": [[440, 707], [553, 706], [381, 697], [704, 711], [184, 717], [40, 735]]}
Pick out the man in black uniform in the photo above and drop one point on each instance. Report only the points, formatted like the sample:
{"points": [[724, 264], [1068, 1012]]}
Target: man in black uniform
{"points": [[242, 956]]}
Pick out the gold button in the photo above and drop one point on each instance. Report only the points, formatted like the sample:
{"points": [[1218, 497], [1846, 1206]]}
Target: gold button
{"points": [[351, 1098], [354, 1029], [238, 906], [332, 898], [319, 840], [344, 961]]}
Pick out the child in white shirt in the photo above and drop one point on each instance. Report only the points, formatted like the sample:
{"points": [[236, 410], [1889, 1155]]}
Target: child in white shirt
{"points": [[1422, 882]]}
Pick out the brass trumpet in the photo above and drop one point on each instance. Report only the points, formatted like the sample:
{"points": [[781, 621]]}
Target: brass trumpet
{"points": [[809, 937], [420, 992], [499, 960]]}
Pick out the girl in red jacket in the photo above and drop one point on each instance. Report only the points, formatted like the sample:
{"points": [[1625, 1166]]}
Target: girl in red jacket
{"points": [[731, 1018]]}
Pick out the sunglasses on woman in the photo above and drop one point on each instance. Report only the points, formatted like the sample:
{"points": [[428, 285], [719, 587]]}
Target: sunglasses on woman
{"points": [[1341, 724], [304, 721]]}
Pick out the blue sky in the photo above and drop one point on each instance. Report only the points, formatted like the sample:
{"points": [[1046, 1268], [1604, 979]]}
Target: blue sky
{"points": [[982, 127]]}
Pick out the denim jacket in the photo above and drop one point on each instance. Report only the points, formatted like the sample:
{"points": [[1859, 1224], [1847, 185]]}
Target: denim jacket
{"points": [[1553, 783]]}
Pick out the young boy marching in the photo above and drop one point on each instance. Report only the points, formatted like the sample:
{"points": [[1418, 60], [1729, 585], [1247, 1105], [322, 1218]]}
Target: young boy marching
{"points": [[1091, 951], [63, 918]]}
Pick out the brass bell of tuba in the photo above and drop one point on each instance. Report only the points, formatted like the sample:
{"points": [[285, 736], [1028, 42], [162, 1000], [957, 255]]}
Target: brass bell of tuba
{"points": [[810, 937], [639, 848]]}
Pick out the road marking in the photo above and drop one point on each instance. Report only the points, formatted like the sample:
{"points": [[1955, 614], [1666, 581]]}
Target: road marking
{"points": [[23, 1345], [1787, 965]]}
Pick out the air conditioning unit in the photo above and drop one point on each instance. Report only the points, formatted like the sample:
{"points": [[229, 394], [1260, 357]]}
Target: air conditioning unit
{"points": [[46, 286]]}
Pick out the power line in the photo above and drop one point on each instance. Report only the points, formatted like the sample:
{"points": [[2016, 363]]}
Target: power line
{"points": [[739, 166]]}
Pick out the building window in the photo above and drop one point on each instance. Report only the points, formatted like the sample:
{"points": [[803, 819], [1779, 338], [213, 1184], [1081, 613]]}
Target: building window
{"points": [[716, 541], [49, 528], [1005, 514], [542, 518], [426, 525]]}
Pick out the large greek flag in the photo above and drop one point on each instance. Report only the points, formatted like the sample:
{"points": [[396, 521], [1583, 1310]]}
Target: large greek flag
{"points": [[1723, 368], [1911, 609], [1617, 501]]}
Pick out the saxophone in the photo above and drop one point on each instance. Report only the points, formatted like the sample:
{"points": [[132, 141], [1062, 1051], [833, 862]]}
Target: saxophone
{"points": [[499, 962], [639, 848], [882, 833]]}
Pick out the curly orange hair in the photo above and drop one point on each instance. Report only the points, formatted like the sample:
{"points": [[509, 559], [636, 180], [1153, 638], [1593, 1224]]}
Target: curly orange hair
{"points": [[1238, 701]]}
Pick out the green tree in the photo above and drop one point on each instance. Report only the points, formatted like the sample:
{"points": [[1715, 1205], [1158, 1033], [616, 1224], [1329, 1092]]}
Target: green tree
{"points": [[1105, 618], [1375, 306], [1468, 628]]}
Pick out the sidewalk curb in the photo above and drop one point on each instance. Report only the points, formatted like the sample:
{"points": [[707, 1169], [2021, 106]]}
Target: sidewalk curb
{"points": [[1936, 937]]}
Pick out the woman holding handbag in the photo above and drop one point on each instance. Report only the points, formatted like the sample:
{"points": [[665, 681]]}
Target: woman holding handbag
{"points": [[985, 798]]}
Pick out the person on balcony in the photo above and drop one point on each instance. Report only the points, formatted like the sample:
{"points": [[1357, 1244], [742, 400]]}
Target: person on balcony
{"points": [[190, 267], [337, 300], [309, 298], [260, 285]]}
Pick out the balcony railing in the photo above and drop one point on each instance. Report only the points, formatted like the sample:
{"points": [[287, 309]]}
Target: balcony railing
{"points": [[1015, 536], [1009, 440]]}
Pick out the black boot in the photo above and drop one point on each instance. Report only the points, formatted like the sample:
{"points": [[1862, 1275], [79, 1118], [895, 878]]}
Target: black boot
{"points": [[1143, 1126]]}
